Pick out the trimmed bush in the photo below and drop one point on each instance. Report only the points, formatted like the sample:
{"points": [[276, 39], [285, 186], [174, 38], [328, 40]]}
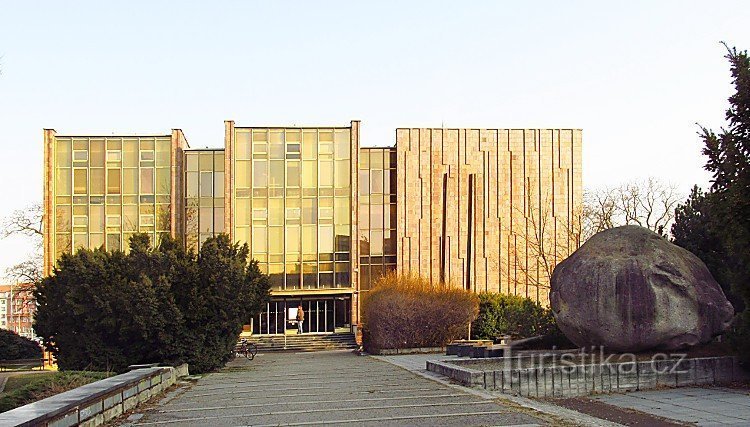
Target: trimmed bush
{"points": [[14, 346], [517, 316], [410, 312]]}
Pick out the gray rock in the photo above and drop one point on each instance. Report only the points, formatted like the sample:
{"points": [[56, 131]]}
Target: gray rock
{"points": [[629, 289]]}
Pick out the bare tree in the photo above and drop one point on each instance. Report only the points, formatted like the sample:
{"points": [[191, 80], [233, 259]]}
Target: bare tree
{"points": [[544, 240], [648, 203], [27, 223]]}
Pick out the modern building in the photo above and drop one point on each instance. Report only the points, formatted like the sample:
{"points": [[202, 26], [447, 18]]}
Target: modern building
{"points": [[17, 309], [483, 209]]}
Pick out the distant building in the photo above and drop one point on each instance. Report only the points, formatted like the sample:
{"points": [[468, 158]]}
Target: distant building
{"points": [[17, 309], [482, 209]]}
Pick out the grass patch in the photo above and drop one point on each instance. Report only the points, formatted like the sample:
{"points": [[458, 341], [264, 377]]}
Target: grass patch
{"points": [[24, 389]]}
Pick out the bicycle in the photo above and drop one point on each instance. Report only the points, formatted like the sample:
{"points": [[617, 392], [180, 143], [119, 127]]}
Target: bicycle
{"points": [[245, 348]]}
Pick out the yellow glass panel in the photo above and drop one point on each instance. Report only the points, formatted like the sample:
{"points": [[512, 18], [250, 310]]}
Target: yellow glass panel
{"points": [[218, 161], [97, 181], [260, 135], [206, 161], [276, 240], [309, 239], [147, 144], [163, 219], [147, 181], [63, 218], [276, 211], [326, 173], [242, 143], [191, 159], [342, 144], [130, 181], [130, 218], [325, 243], [342, 214], [96, 218], [242, 235], [130, 153], [218, 220], [309, 145], [242, 173], [64, 153], [97, 153], [80, 144], [114, 143], [218, 184], [163, 151], [293, 136], [80, 184], [63, 182], [342, 174], [80, 241], [276, 137], [96, 240], [292, 239], [276, 173], [292, 174], [310, 174], [260, 240], [113, 181], [325, 135], [260, 173], [242, 212], [163, 181]]}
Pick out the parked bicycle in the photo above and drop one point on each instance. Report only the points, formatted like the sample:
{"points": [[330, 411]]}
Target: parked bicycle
{"points": [[246, 349]]}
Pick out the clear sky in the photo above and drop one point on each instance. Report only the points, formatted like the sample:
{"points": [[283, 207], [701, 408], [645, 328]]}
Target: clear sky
{"points": [[635, 76]]}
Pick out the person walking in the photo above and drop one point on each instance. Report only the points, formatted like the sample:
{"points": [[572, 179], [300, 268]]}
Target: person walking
{"points": [[300, 318]]}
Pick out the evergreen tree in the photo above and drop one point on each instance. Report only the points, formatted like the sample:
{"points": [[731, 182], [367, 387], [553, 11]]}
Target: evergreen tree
{"points": [[104, 310], [698, 229], [728, 155]]}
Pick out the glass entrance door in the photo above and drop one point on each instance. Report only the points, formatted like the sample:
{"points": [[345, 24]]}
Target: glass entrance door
{"points": [[322, 315]]}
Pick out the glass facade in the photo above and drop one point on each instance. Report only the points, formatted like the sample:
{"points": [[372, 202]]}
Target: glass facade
{"points": [[377, 214], [204, 196], [108, 188], [292, 203]]}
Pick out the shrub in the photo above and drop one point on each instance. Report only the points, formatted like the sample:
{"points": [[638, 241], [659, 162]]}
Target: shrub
{"points": [[105, 311], [14, 346], [517, 316], [404, 311]]}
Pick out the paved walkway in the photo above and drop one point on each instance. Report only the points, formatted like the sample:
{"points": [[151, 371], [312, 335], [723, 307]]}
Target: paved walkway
{"points": [[700, 406], [327, 388]]}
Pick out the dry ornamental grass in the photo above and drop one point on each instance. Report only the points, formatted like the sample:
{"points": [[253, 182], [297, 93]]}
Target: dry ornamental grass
{"points": [[407, 311]]}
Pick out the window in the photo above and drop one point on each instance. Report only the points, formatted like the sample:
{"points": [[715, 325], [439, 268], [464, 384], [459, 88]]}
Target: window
{"points": [[113, 181], [147, 181], [114, 156], [80, 184]]}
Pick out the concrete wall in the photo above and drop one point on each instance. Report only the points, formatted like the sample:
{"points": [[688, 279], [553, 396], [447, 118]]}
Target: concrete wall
{"points": [[585, 379], [96, 403], [508, 232]]}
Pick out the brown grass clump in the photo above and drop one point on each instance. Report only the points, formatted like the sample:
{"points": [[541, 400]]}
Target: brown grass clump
{"points": [[407, 311]]}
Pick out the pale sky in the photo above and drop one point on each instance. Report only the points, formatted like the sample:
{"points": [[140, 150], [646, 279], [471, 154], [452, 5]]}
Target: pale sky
{"points": [[635, 76]]}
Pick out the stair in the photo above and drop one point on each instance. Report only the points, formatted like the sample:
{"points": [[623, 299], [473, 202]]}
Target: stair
{"points": [[305, 342]]}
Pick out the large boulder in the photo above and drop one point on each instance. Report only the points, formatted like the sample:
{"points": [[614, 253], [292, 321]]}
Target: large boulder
{"points": [[629, 289]]}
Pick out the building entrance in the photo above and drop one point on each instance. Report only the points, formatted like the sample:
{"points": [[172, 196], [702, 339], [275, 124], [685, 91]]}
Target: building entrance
{"points": [[322, 315]]}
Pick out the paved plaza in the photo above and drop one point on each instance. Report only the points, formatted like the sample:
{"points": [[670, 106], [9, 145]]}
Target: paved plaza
{"points": [[327, 388], [339, 387], [697, 406]]}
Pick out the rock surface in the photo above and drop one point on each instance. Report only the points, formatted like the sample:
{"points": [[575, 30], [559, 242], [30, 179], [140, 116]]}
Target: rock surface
{"points": [[630, 290]]}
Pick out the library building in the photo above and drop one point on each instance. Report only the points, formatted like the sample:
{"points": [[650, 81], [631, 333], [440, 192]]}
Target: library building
{"points": [[326, 214]]}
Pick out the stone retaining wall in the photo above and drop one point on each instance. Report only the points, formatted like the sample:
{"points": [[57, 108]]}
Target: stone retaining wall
{"points": [[96, 403], [584, 379]]}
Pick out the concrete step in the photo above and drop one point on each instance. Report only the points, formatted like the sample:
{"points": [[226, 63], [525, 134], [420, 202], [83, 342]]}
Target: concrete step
{"points": [[305, 342]]}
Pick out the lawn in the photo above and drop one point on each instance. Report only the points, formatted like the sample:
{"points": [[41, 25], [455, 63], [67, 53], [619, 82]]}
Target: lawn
{"points": [[23, 389]]}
